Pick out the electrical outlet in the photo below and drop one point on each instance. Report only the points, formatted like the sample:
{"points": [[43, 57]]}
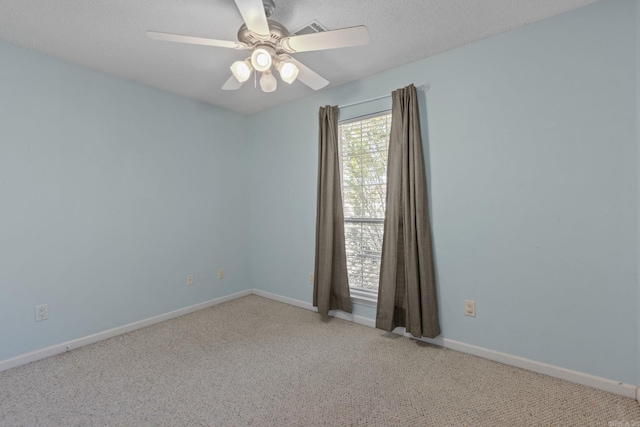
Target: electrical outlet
{"points": [[189, 279], [42, 312], [311, 278], [221, 273], [469, 308]]}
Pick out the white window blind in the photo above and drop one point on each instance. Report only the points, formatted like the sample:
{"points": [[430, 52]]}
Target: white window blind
{"points": [[364, 144]]}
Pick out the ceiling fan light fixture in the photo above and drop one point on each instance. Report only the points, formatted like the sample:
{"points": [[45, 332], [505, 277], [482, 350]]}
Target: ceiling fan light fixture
{"points": [[268, 82], [241, 70], [261, 59], [288, 71]]}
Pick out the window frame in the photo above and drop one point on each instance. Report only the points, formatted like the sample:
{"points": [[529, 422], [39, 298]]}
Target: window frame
{"points": [[360, 295]]}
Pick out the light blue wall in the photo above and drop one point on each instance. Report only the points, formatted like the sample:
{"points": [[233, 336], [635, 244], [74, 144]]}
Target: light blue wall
{"points": [[638, 137], [532, 159], [111, 194]]}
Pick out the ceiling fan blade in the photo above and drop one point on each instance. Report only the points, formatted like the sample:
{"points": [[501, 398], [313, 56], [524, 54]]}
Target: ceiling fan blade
{"points": [[252, 12], [178, 38], [309, 77], [232, 84], [344, 37]]}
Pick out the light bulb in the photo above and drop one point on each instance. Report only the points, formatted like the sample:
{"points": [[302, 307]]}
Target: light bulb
{"points": [[261, 59], [241, 70], [288, 71], [268, 82]]}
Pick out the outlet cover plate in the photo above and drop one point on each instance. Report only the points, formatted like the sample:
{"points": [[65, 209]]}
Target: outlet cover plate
{"points": [[42, 312], [469, 308]]}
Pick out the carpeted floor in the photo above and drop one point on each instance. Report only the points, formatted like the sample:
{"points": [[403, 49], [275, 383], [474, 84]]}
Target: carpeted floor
{"points": [[256, 362]]}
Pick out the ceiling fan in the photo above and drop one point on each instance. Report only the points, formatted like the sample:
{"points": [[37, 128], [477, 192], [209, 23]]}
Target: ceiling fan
{"points": [[270, 45]]}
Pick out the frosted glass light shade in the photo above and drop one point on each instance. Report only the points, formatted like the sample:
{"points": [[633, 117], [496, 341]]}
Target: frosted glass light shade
{"points": [[288, 71], [268, 82], [241, 70], [261, 59]]}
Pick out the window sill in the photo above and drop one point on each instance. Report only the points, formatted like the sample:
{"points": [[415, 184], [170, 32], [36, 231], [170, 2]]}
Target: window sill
{"points": [[364, 298]]}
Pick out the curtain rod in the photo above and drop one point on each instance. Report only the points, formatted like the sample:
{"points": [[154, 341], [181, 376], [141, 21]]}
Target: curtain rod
{"points": [[424, 88]]}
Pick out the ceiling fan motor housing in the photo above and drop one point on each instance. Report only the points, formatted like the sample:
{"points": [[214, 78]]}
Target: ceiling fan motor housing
{"points": [[277, 32]]}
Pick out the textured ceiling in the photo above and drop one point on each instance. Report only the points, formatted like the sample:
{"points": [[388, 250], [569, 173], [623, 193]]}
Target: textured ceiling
{"points": [[109, 35]]}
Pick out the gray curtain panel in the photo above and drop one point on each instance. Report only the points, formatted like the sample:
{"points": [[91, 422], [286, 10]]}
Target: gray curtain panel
{"points": [[330, 280], [407, 291]]}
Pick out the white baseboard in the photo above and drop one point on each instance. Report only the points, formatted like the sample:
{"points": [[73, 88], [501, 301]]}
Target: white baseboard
{"points": [[600, 383], [605, 384], [302, 304], [80, 342]]}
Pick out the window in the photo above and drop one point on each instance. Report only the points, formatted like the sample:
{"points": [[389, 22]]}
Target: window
{"points": [[364, 144]]}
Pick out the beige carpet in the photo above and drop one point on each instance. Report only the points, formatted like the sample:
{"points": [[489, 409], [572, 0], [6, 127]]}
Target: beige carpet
{"points": [[256, 362]]}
